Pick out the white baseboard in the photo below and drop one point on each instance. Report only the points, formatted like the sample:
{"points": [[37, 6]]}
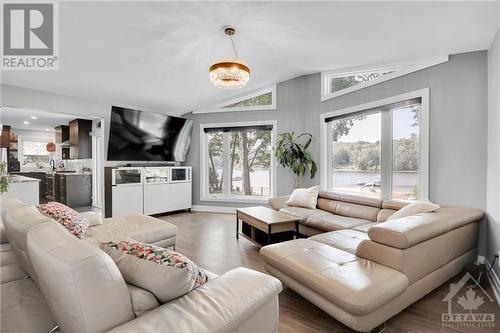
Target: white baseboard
{"points": [[494, 280], [214, 209]]}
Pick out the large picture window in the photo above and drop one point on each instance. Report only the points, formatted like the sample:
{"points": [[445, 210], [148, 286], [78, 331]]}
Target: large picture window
{"points": [[380, 151], [237, 163]]}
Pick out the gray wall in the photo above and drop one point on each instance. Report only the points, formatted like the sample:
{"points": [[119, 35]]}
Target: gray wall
{"points": [[458, 126], [493, 179]]}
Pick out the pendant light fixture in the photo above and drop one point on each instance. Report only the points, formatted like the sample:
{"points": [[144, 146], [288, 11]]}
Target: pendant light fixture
{"points": [[229, 73]]}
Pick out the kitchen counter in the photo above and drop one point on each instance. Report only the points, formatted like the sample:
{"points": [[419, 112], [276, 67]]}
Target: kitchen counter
{"points": [[23, 188], [22, 179]]}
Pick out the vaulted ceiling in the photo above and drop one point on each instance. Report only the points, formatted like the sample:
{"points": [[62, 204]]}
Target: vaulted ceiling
{"points": [[155, 55]]}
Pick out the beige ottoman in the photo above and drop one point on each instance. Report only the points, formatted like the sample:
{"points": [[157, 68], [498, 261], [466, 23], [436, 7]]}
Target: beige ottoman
{"points": [[138, 227]]}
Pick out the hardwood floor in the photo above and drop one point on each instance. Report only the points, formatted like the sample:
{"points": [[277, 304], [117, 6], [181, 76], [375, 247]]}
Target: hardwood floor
{"points": [[209, 239]]}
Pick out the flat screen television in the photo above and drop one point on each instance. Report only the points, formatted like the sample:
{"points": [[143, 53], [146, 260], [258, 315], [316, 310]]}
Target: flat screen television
{"points": [[146, 136]]}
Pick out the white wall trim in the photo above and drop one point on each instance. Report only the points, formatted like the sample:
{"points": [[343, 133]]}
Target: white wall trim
{"points": [[204, 196], [325, 132], [220, 107], [214, 209], [494, 281], [399, 69]]}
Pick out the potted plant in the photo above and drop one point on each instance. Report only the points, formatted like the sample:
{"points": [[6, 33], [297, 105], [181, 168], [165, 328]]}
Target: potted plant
{"points": [[4, 177], [291, 152]]}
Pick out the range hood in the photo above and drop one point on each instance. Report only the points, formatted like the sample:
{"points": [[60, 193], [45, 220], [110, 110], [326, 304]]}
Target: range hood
{"points": [[64, 144]]}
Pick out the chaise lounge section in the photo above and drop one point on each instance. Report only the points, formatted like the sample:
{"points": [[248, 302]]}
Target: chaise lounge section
{"points": [[368, 269]]}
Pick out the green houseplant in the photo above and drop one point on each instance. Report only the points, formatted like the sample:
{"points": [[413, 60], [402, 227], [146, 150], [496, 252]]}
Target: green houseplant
{"points": [[291, 152], [4, 177]]}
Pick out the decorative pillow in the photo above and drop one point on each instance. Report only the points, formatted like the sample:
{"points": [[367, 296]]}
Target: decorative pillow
{"points": [[165, 273], [304, 197], [69, 218], [413, 209]]}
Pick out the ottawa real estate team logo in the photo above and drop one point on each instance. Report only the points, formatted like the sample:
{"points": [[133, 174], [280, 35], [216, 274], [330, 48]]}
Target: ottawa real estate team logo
{"points": [[30, 36], [465, 299]]}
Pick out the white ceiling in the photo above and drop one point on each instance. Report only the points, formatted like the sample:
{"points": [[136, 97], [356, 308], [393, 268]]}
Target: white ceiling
{"points": [[155, 55], [45, 121]]}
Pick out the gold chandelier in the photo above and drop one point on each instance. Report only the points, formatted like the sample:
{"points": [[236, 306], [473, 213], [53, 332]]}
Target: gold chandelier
{"points": [[229, 73]]}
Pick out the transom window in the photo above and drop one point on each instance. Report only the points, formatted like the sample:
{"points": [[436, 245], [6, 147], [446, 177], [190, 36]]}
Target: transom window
{"points": [[265, 99], [237, 163], [337, 83], [261, 99], [379, 152]]}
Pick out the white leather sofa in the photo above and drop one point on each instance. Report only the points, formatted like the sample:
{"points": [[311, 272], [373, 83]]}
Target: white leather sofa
{"points": [[70, 285], [362, 269]]}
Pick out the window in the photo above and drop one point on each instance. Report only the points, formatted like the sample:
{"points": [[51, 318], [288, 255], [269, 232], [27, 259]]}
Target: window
{"points": [[379, 149], [261, 99], [340, 82], [34, 151], [265, 99], [356, 154], [237, 163]]}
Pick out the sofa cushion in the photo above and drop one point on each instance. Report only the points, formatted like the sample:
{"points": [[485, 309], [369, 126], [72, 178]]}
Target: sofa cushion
{"points": [[141, 228], [346, 240], [411, 230], [413, 209], [304, 197], [142, 300], [67, 217], [81, 284], [384, 214], [165, 273], [356, 285], [7, 257], [303, 213], [11, 272], [358, 211], [331, 222], [365, 227], [23, 308]]}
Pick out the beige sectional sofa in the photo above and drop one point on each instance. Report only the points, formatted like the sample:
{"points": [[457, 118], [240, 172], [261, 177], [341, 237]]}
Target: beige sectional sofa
{"points": [[61, 283], [361, 268]]}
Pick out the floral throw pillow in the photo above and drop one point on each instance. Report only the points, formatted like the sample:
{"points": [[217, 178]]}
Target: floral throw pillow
{"points": [[66, 216], [165, 273]]}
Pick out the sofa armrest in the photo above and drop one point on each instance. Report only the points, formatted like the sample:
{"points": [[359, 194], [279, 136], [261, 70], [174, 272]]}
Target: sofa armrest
{"points": [[408, 231], [277, 203], [93, 218], [220, 305]]}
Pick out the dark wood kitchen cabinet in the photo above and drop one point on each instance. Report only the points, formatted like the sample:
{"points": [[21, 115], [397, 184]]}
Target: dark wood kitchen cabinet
{"points": [[80, 139], [62, 136]]}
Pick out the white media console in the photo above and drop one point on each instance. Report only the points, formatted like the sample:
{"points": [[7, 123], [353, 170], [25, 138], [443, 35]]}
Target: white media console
{"points": [[147, 190]]}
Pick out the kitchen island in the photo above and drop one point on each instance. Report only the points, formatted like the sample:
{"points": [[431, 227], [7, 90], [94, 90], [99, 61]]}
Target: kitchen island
{"points": [[23, 188]]}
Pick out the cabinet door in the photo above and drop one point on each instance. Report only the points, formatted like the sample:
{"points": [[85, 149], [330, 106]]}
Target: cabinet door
{"points": [[127, 200], [157, 198], [180, 196]]}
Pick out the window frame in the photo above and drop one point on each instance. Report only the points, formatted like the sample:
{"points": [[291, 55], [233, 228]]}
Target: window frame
{"points": [[326, 158], [399, 69], [228, 197], [261, 91]]}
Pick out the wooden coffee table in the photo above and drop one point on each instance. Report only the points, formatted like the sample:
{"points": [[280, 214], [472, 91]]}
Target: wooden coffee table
{"points": [[264, 226]]}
